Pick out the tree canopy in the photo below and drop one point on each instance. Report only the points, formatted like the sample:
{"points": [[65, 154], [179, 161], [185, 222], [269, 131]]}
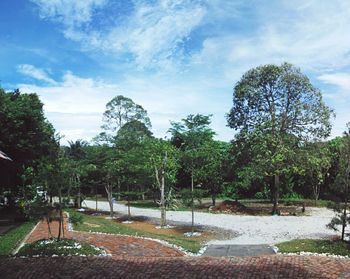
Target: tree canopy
{"points": [[278, 109]]}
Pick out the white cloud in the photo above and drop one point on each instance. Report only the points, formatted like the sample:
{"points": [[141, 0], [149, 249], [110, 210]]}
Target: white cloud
{"points": [[152, 34], [310, 34], [339, 94], [75, 105], [71, 13], [341, 80], [194, 72], [32, 71]]}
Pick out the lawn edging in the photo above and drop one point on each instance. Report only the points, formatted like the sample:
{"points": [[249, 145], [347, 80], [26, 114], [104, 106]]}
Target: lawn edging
{"points": [[314, 247], [22, 243]]}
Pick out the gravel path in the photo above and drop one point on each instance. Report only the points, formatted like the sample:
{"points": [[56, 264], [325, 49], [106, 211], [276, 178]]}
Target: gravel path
{"points": [[251, 229]]}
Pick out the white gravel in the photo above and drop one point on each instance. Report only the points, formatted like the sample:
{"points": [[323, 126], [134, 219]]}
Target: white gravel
{"points": [[251, 229]]}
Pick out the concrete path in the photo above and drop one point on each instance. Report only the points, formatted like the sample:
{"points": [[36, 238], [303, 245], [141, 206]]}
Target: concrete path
{"points": [[251, 229], [238, 250]]}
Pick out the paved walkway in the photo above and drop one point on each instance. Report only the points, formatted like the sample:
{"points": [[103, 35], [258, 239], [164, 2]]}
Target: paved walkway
{"points": [[179, 267], [113, 244], [139, 258], [250, 229], [238, 250]]}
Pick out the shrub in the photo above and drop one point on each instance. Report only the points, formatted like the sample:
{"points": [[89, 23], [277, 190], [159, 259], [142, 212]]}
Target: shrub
{"points": [[75, 218], [186, 196]]}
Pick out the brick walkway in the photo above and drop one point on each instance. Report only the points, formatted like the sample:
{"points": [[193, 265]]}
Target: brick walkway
{"points": [[138, 258], [113, 244], [178, 267]]}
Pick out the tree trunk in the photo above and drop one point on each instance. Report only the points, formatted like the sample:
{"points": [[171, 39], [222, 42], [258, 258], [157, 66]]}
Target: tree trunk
{"points": [[60, 214], [276, 187], [344, 212], [213, 199], [317, 192], [96, 197], [143, 193], [192, 203], [129, 212], [109, 191], [47, 217], [162, 202], [79, 193]]}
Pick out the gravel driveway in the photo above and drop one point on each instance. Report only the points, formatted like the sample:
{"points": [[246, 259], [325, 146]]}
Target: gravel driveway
{"points": [[251, 229]]}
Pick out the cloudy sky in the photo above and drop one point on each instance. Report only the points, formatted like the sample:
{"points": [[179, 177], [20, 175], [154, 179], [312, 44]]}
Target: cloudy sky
{"points": [[173, 57]]}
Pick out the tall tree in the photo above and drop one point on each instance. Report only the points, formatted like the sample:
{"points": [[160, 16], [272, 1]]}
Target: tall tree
{"points": [[164, 165], [316, 162], [192, 135], [131, 143], [280, 108], [76, 153], [25, 135], [119, 111], [341, 186]]}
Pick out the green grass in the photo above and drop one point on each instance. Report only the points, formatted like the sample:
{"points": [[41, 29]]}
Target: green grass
{"points": [[336, 247], [108, 226], [63, 247], [12, 238]]}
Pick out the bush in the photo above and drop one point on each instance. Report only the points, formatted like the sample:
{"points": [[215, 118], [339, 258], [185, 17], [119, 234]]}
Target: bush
{"points": [[264, 194], [75, 218], [186, 196]]}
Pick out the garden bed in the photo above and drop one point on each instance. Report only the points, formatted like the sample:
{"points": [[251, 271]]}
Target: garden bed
{"points": [[149, 227], [63, 247]]}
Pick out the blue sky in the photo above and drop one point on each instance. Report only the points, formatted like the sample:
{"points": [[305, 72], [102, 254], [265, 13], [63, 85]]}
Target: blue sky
{"points": [[172, 57]]}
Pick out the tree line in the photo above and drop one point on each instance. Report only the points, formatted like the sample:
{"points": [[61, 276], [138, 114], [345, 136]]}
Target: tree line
{"points": [[279, 149]]}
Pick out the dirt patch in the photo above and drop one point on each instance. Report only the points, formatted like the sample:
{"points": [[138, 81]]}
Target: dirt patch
{"points": [[235, 207], [174, 230], [231, 207]]}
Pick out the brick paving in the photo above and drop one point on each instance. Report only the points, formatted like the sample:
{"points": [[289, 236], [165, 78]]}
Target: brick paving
{"points": [[275, 266], [139, 258]]}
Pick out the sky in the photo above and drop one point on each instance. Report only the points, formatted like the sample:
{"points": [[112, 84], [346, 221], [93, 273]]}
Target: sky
{"points": [[172, 57]]}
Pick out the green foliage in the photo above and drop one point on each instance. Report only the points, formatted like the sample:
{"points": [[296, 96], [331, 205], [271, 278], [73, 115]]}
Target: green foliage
{"points": [[187, 195], [341, 186], [63, 247], [12, 238], [276, 109], [264, 194], [120, 111], [26, 137], [315, 246], [75, 218], [292, 197]]}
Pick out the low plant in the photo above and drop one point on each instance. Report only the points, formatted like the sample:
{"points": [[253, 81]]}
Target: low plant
{"points": [[319, 246], [63, 247], [75, 218]]}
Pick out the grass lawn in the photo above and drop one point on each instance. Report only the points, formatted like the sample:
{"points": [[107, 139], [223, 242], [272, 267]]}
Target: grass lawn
{"points": [[12, 238], [336, 247], [64, 247], [100, 224]]}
